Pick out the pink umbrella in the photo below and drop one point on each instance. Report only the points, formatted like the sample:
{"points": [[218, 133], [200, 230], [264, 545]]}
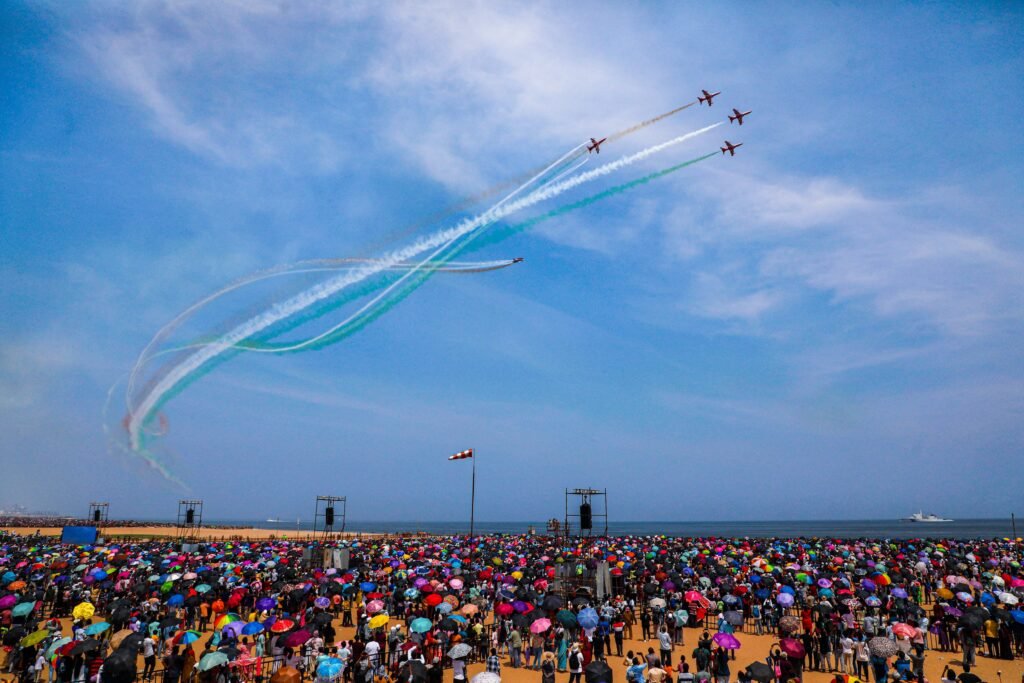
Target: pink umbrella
{"points": [[793, 648], [540, 626], [297, 638], [905, 630], [455, 583], [374, 606], [727, 641]]}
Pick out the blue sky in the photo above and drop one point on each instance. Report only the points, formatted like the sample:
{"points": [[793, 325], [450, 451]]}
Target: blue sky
{"points": [[826, 325]]}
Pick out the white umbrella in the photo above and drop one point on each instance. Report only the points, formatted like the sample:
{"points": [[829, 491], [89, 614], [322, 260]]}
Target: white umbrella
{"points": [[1007, 598]]}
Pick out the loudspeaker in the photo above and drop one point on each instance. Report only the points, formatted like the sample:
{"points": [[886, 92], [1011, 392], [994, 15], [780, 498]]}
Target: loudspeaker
{"points": [[190, 516], [95, 515], [585, 522], [329, 517]]}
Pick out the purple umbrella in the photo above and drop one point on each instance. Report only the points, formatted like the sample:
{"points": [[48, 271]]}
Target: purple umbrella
{"points": [[234, 629], [953, 612], [8, 601], [322, 602], [266, 604], [867, 584], [898, 593], [727, 641], [784, 599], [824, 583]]}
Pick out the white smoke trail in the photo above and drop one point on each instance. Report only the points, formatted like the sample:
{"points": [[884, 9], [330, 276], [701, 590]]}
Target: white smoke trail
{"points": [[438, 241]]}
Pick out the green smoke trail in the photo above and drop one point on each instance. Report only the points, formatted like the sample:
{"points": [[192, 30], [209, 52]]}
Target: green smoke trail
{"points": [[263, 341], [485, 239], [506, 231]]}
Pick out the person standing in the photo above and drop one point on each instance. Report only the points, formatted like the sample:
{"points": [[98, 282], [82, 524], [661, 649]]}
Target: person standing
{"points": [[645, 625], [148, 658], [515, 647], [575, 664], [628, 619], [665, 643], [537, 647], [721, 665], [494, 662], [547, 667]]}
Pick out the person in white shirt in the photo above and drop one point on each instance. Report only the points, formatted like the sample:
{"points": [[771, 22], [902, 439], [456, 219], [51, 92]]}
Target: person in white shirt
{"points": [[846, 661]]}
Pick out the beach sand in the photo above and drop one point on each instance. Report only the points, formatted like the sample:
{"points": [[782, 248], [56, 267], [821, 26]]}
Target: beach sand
{"points": [[755, 648]]}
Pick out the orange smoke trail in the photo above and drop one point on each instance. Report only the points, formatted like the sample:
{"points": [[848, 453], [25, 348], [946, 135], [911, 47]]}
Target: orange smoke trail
{"points": [[644, 124]]}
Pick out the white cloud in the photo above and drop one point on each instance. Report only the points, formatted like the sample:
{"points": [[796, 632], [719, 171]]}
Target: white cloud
{"points": [[919, 261], [205, 77]]}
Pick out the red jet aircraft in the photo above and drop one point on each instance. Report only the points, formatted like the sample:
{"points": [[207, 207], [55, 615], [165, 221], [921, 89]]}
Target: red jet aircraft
{"points": [[708, 96], [731, 148], [738, 118], [595, 145]]}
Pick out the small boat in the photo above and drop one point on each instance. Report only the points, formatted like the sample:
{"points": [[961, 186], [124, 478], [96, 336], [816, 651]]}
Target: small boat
{"points": [[929, 518]]}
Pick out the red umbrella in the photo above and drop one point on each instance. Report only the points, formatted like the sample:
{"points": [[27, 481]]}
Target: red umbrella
{"points": [[282, 625]]}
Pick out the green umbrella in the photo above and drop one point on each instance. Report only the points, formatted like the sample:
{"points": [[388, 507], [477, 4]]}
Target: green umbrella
{"points": [[60, 642], [33, 638], [212, 660], [23, 608]]}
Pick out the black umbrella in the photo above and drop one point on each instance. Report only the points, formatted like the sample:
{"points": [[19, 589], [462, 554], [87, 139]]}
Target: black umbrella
{"points": [[168, 622], [87, 645], [968, 677], [552, 602], [761, 672], [598, 672], [521, 620], [12, 637], [131, 643], [119, 667]]}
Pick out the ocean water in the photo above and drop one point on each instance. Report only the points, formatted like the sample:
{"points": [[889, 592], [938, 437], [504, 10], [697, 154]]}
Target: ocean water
{"points": [[866, 528]]}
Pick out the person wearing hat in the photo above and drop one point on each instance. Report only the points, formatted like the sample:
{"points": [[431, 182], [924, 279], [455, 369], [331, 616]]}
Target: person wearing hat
{"points": [[575, 664], [547, 667]]}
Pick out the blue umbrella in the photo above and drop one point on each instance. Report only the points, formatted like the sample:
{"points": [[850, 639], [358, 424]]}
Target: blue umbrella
{"points": [[99, 627], [329, 668], [175, 600], [252, 628], [23, 608], [587, 618], [1018, 615], [367, 586]]}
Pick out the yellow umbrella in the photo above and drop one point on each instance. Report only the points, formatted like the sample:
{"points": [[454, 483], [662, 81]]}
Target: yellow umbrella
{"points": [[945, 593], [33, 638], [83, 610], [379, 621]]}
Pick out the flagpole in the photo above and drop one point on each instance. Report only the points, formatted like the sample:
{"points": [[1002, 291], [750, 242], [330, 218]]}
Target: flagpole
{"points": [[472, 496]]}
